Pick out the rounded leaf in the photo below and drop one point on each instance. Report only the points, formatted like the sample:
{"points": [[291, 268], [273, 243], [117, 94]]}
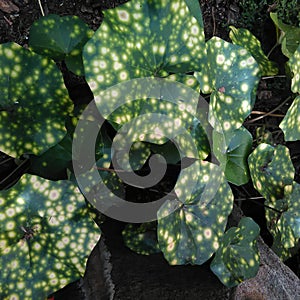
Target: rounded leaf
{"points": [[33, 104], [46, 235]]}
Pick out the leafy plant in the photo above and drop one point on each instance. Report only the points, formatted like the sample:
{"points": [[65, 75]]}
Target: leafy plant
{"points": [[163, 44]]}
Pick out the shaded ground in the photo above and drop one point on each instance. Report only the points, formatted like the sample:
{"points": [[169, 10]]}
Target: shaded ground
{"points": [[15, 21]]}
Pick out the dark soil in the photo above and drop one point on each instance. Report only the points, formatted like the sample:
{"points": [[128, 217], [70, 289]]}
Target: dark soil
{"points": [[217, 15]]}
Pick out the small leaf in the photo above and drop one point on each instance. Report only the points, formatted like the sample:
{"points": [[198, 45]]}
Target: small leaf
{"points": [[237, 258], [142, 39], [233, 157], [33, 103], [53, 163], [285, 226], [60, 38], [141, 238], [191, 233], [46, 235], [271, 169], [247, 40], [289, 38], [231, 76], [294, 63], [290, 123]]}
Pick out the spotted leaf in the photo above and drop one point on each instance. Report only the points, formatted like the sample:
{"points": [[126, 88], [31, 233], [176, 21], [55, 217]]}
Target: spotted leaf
{"points": [[290, 123], [271, 169], [231, 76], [247, 40], [233, 157], [142, 39], [46, 235], [237, 259], [33, 104], [294, 64], [284, 221], [191, 233], [60, 38], [141, 238]]}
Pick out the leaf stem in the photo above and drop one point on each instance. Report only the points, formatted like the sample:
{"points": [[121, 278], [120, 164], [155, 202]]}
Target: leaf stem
{"points": [[41, 8]]}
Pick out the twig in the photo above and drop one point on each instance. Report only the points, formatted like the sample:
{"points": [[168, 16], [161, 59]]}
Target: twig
{"points": [[269, 113], [41, 8], [255, 112], [274, 76]]}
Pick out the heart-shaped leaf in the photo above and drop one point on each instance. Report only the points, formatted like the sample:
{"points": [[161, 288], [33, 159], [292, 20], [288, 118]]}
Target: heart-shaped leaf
{"points": [[271, 169], [33, 104], [233, 157], [247, 40], [142, 39], [284, 220], [294, 63], [290, 123], [46, 235], [289, 37], [60, 38], [237, 259], [191, 233], [230, 75], [141, 238]]}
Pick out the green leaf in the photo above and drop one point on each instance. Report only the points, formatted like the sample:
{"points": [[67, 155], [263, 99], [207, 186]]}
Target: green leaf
{"points": [[290, 123], [53, 163], [237, 259], [192, 232], [294, 63], [289, 37], [285, 226], [231, 77], [46, 235], [247, 40], [60, 38], [142, 39], [233, 158], [33, 104], [271, 169], [141, 238]]}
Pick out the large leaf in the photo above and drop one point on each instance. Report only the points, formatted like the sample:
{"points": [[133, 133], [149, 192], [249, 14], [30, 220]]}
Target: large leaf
{"points": [[46, 235], [284, 223], [247, 40], [193, 230], [289, 36], [231, 77], [33, 104], [294, 63], [144, 38], [60, 38], [237, 259], [290, 123], [233, 157], [271, 169]]}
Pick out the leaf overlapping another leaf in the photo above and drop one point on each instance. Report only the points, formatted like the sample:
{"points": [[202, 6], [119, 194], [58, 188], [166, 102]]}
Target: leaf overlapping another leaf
{"points": [[192, 233]]}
